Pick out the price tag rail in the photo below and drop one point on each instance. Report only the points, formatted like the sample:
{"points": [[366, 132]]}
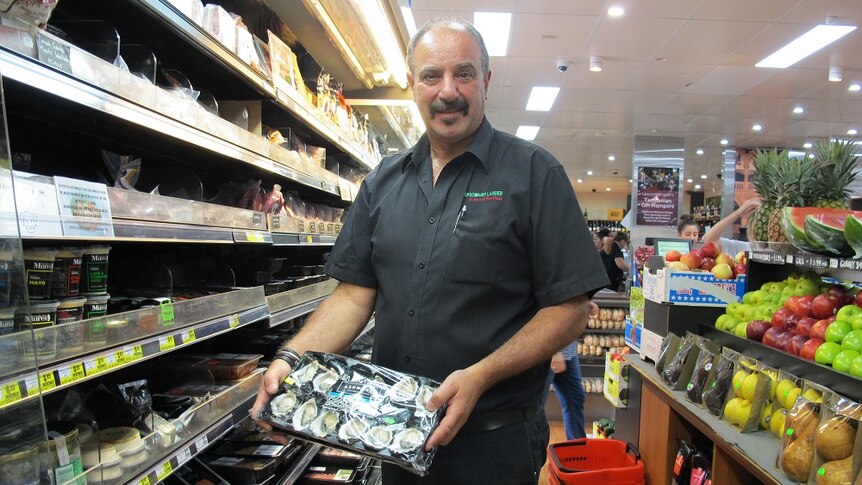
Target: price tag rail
{"points": [[291, 304]]}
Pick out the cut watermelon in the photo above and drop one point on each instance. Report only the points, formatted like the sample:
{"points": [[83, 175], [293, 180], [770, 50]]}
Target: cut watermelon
{"points": [[827, 229], [853, 233], [793, 223]]}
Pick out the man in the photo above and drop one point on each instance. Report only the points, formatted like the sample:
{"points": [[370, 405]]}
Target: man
{"points": [[472, 250]]}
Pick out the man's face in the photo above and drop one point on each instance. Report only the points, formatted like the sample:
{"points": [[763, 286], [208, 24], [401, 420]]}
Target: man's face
{"points": [[448, 84]]}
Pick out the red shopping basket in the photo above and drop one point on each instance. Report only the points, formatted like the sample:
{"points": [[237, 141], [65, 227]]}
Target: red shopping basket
{"points": [[592, 461]]}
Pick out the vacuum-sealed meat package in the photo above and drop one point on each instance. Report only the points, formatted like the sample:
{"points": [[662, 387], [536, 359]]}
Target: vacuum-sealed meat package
{"points": [[359, 407]]}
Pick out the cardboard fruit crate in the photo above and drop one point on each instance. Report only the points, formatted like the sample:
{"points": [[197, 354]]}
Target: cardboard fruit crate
{"points": [[692, 288]]}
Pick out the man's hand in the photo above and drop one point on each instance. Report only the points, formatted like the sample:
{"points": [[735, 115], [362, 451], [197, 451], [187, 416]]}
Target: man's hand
{"points": [[558, 363], [460, 390], [272, 378]]}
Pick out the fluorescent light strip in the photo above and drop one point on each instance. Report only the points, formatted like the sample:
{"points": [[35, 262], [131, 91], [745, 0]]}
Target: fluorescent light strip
{"points": [[409, 21], [542, 98], [805, 45], [527, 132], [494, 27]]}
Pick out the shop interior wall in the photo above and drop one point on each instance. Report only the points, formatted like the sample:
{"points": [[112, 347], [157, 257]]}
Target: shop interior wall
{"points": [[597, 204]]}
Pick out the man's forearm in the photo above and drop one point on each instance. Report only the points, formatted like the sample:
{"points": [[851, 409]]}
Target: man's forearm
{"points": [[336, 323], [550, 330]]}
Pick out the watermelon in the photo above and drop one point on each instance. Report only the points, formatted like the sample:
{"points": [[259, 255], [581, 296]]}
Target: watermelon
{"points": [[793, 223], [853, 233], [827, 229]]}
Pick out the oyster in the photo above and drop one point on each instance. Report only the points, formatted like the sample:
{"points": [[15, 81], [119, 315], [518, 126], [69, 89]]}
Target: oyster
{"points": [[305, 374], [283, 404], [404, 390], [377, 437], [305, 414], [324, 424], [352, 430], [325, 380], [407, 440], [422, 398]]}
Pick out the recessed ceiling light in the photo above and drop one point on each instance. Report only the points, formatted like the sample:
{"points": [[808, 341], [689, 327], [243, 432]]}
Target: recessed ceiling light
{"points": [[607, 189], [589, 172], [854, 87], [616, 11], [611, 158], [805, 45], [756, 127], [703, 176], [494, 27], [595, 63], [689, 180], [631, 181], [852, 131], [527, 132], [542, 98], [699, 151], [580, 181], [798, 110], [724, 141], [836, 74], [696, 186], [807, 145]]}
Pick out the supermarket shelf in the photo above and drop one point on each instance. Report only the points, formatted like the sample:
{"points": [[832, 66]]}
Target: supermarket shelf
{"points": [[806, 260], [225, 410], [756, 451], [291, 304], [611, 299], [591, 360], [301, 239], [606, 331], [300, 465]]}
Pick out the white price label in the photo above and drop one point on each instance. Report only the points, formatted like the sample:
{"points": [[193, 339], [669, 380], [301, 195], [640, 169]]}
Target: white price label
{"points": [[184, 455], [32, 383], [201, 443]]}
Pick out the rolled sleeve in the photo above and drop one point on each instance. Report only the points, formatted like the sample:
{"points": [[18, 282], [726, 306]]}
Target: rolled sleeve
{"points": [[563, 259], [350, 259]]}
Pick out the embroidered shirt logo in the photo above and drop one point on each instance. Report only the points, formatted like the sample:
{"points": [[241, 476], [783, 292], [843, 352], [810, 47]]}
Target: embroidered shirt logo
{"points": [[484, 196]]}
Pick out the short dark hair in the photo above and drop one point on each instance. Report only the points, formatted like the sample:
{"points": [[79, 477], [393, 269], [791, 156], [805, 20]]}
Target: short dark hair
{"points": [[685, 220], [455, 24], [603, 232], [621, 236]]}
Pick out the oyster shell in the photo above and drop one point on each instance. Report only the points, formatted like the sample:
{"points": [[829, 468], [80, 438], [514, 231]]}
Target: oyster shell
{"points": [[283, 404], [305, 414], [407, 440], [377, 437], [305, 374], [325, 380], [352, 430], [422, 398], [324, 424], [404, 390]]}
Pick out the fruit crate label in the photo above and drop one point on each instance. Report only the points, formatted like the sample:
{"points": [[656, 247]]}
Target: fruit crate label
{"points": [[71, 374], [47, 381], [189, 336], [167, 312], [164, 470], [10, 393], [166, 343]]}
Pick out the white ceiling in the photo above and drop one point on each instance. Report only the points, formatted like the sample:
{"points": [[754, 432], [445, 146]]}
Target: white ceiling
{"points": [[682, 68]]}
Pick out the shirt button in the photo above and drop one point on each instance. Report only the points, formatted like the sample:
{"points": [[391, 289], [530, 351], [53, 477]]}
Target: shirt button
{"points": [[421, 265], [406, 358], [411, 313], [431, 220]]}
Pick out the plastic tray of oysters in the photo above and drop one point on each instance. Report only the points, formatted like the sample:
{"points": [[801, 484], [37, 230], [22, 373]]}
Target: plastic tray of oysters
{"points": [[356, 406]]}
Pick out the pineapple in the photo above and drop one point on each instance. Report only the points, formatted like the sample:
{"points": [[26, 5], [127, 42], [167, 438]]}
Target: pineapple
{"points": [[765, 163], [795, 181], [835, 164]]}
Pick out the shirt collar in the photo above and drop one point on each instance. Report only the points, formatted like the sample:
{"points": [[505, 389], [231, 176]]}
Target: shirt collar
{"points": [[480, 147]]}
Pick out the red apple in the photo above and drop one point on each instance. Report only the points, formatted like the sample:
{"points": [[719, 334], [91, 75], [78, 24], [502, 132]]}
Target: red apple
{"points": [[779, 318], [724, 258], [791, 321], [722, 271], [800, 305], [770, 337], [824, 306], [784, 341], [709, 250], [756, 329], [739, 268], [740, 258], [840, 292], [691, 259], [818, 330], [858, 299], [672, 255], [804, 326], [796, 344], [707, 263], [810, 347]]}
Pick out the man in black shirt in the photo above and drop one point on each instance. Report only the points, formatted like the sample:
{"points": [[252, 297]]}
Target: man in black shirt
{"points": [[614, 261], [471, 249]]}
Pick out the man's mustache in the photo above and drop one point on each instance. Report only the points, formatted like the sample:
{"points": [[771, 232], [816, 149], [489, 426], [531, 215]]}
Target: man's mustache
{"points": [[456, 105]]}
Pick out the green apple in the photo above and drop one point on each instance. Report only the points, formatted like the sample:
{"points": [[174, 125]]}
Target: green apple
{"points": [[856, 367], [740, 330], [747, 296], [857, 322], [826, 353], [733, 309], [837, 331], [757, 297], [748, 314], [778, 287], [805, 287], [844, 360], [852, 341], [848, 312]]}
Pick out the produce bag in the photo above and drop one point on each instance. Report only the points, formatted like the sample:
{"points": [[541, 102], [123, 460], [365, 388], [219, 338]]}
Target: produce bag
{"points": [[718, 385], [836, 442], [750, 391], [678, 371], [359, 407], [796, 455], [682, 464], [702, 369], [668, 349]]}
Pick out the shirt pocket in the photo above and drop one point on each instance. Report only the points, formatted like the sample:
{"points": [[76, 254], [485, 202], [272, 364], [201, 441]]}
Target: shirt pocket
{"points": [[475, 253]]}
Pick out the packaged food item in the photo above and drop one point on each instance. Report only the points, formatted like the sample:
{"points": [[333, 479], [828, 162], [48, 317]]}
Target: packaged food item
{"points": [[369, 409], [718, 385], [242, 470], [70, 338], [701, 469], [329, 456], [796, 454], [321, 475], [700, 375], [38, 272], [94, 270], [668, 349], [751, 388], [125, 440], [280, 453], [193, 9], [682, 464], [678, 371], [64, 452], [40, 319], [27, 14], [836, 441], [67, 273], [20, 466], [220, 25], [95, 453], [6, 264]]}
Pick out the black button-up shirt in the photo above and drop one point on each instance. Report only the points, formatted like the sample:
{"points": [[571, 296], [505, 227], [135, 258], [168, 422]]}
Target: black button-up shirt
{"points": [[462, 265]]}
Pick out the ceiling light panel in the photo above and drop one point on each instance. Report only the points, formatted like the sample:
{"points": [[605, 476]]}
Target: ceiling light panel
{"points": [[805, 45], [527, 132], [542, 98], [495, 28]]}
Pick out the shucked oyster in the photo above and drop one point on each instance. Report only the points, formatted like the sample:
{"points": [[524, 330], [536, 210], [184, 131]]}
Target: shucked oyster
{"points": [[324, 424], [283, 404], [352, 430], [305, 414], [407, 440], [404, 390], [325, 380], [377, 437], [422, 398], [305, 374]]}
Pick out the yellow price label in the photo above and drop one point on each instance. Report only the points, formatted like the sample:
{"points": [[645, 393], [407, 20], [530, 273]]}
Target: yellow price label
{"points": [[164, 470], [252, 236], [166, 343], [71, 374], [31, 382], [189, 336], [101, 363], [119, 358], [47, 381], [138, 352], [309, 239], [234, 320], [144, 481], [10, 393], [111, 360]]}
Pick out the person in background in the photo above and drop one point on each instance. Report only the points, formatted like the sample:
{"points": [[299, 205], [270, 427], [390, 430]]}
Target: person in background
{"points": [[731, 246], [688, 228], [615, 262], [472, 251], [602, 238]]}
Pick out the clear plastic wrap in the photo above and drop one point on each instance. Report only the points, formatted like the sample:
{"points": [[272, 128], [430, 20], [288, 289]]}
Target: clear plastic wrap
{"points": [[360, 407]]}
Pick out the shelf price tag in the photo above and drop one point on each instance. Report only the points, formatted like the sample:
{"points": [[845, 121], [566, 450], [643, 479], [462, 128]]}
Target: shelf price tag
{"points": [[31, 382], [167, 313], [111, 360], [234, 320], [164, 470], [47, 381], [144, 481], [201, 444], [309, 239], [189, 336], [10, 393], [71, 374], [184, 455], [253, 236], [166, 343], [96, 366]]}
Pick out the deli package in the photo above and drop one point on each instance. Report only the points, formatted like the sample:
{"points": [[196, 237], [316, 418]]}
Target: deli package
{"points": [[360, 407]]}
